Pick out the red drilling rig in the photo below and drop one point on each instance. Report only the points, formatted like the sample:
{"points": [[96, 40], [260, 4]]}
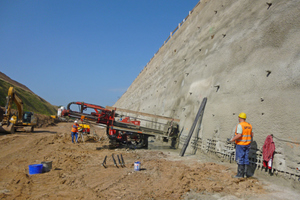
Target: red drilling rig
{"points": [[122, 129]]}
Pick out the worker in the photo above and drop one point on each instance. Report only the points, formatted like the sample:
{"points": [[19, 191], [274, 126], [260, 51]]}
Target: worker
{"points": [[74, 131], [243, 137]]}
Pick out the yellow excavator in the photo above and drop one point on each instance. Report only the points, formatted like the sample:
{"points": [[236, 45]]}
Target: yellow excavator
{"points": [[12, 121]]}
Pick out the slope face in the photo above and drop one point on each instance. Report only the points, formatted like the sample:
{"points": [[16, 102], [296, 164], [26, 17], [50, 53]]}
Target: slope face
{"points": [[244, 56], [13, 82], [31, 101]]}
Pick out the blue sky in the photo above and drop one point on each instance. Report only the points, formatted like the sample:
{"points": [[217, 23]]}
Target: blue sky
{"points": [[76, 50]]}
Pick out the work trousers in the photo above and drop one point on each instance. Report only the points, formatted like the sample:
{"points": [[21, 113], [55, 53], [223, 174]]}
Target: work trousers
{"points": [[242, 154], [74, 134]]}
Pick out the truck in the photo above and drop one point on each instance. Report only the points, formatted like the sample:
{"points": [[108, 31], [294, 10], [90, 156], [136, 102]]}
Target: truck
{"points": [[13, 121], [125, 129]]}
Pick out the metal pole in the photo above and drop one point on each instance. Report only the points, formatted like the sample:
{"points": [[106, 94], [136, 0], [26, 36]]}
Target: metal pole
{"points": [[200, 111]]}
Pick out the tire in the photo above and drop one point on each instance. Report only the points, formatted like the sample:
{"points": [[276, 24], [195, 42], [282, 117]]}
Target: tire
{"points": [[140, 141]]}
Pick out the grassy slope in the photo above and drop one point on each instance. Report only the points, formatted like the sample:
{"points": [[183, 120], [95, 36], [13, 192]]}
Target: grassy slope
{"points": [[31, 101]]}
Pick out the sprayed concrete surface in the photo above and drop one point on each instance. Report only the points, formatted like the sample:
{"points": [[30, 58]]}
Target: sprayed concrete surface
{"points": [[244, 56], [77, 172]]}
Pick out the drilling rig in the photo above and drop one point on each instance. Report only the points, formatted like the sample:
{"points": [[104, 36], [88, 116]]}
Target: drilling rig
{"points": [[125, 129]]}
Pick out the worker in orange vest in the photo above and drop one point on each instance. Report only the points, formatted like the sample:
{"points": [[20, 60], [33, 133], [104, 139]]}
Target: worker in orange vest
{"points": [[74, 131], [243, 137]]}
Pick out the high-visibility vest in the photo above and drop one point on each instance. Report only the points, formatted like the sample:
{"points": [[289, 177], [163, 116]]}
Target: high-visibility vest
{"points": [[246, 135], [74, 128]]}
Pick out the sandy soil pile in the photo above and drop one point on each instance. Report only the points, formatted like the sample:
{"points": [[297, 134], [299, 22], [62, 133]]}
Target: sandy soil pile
{"points": [[77, 172], [44, 120]]}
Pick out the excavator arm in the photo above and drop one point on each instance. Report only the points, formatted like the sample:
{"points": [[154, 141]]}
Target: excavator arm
{"points": [[11, 121], [13, 97]]}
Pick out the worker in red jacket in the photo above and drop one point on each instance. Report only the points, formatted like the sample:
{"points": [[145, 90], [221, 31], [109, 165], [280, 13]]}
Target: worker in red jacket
{"points": [[242, 138], [74, 131]]}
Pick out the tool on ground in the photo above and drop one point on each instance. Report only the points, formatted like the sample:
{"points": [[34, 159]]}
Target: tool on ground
{"points": [[125, 130], [104, 162], [12, 121], [119, 161], [114, 160], [123, 163]]}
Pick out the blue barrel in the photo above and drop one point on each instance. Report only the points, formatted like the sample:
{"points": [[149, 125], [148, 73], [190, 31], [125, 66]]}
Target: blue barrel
{"points": [[35, 169]]}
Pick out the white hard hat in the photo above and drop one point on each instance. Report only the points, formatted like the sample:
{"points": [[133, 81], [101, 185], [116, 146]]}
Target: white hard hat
{"points": [[75, 121]]}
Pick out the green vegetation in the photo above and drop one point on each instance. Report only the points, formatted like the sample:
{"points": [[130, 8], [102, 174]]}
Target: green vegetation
{"points": [[31, 101]]}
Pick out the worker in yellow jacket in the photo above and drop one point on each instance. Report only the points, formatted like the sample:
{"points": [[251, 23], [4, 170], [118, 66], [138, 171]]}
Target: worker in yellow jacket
{"points": [[74, 132], [242, 138]]}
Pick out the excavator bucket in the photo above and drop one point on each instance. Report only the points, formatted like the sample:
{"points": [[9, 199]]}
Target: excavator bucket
{"points": [[7, 129]]}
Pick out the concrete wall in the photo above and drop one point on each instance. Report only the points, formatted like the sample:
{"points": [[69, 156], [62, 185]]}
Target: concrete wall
{"points": [[244, 56]]}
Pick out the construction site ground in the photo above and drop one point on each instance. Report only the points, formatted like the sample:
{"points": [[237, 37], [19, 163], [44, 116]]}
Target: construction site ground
{"points": [[77, 172]]}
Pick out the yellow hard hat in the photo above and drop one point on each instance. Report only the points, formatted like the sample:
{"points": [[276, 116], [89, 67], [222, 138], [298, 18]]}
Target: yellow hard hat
{"points": [[242, 115]]}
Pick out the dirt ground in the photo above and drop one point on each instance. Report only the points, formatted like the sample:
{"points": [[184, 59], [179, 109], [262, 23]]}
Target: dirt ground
{"points": [[77, 172]]}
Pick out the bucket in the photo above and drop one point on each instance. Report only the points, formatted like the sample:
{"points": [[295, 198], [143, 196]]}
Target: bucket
{"points": [[35, 169], [137, 166], [47, 166]]}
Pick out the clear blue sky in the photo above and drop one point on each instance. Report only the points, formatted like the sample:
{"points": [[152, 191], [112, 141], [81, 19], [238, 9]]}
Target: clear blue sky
{"points": [[83, 50]]}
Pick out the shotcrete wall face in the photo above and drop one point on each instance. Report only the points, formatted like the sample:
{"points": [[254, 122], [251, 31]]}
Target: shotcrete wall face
{"points": [[244, 56]]}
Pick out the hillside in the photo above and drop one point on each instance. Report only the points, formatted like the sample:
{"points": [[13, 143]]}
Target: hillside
{"points": [[13, 82], [31, 101]]}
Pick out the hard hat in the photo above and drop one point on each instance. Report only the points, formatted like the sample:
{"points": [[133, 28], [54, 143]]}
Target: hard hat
{"points": [[242, 115], [75, 121]]}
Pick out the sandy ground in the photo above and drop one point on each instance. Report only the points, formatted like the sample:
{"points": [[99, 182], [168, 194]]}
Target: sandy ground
{"points": [[77, 172]]}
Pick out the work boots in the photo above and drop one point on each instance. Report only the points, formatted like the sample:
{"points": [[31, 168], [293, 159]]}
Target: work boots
{"points": [[247, 171], [240, 171]]}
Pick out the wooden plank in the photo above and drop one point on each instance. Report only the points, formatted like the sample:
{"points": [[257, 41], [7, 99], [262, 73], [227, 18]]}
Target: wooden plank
{"points": [[141, 113]]}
